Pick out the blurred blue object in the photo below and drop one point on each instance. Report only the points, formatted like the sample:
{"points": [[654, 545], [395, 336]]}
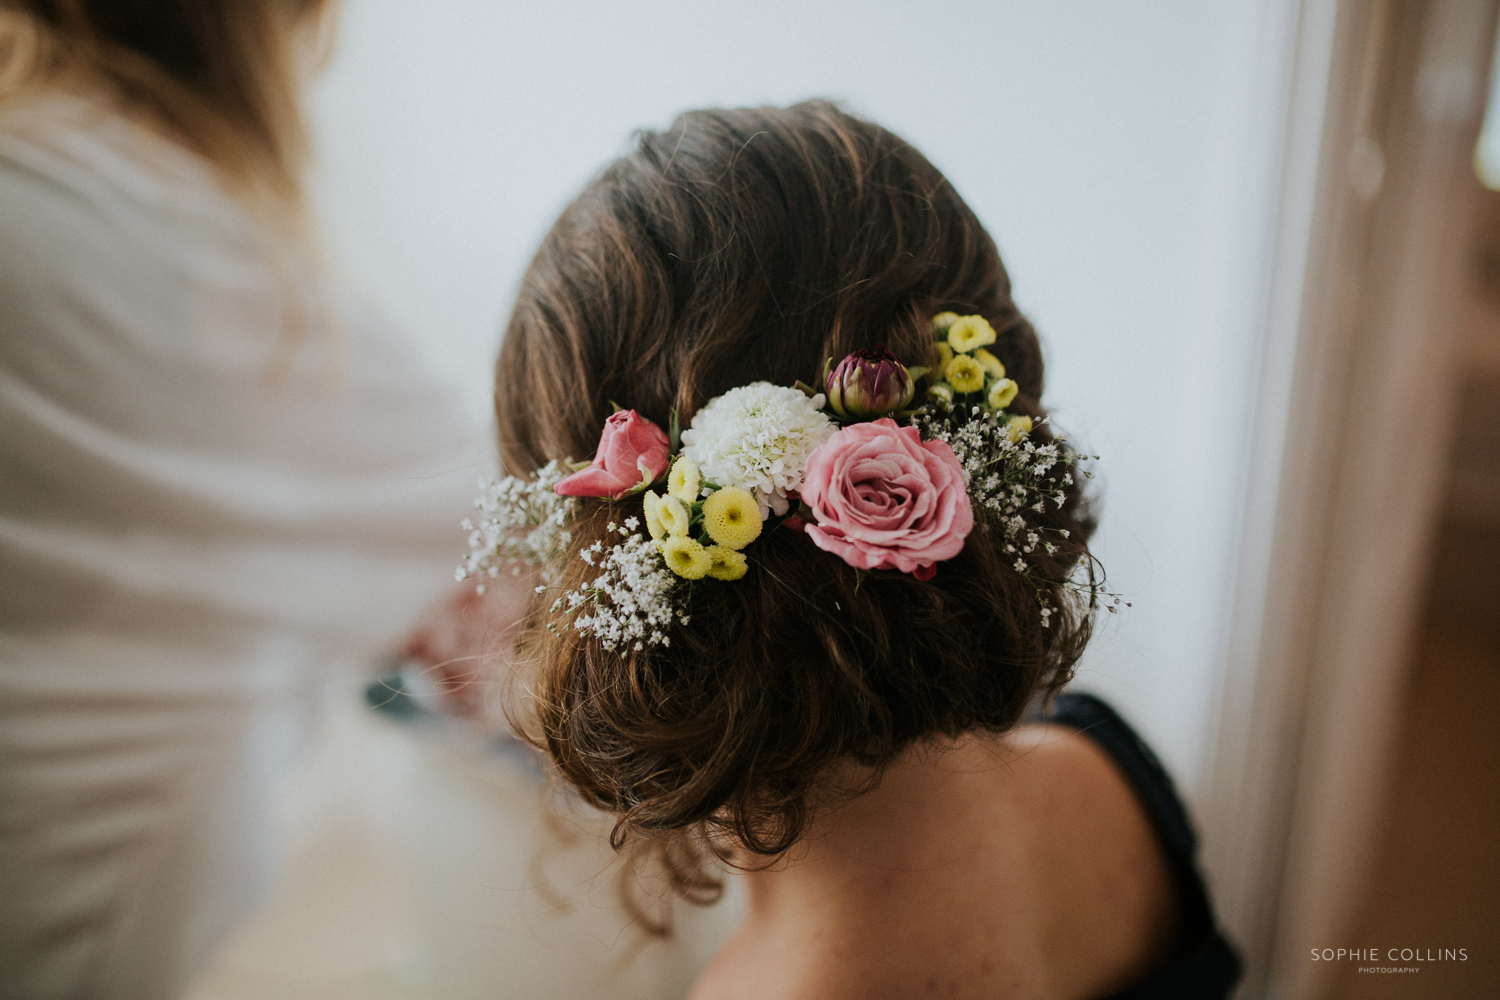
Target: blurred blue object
{"points": [[403, 693]]}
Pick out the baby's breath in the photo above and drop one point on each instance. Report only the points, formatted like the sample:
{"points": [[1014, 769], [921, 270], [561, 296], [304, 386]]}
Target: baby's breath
{"points": [[522, 524], [1009, 479], [633, 602]]}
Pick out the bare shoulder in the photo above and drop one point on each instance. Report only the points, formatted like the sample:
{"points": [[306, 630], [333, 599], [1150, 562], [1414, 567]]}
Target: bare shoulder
{"points": [[1109, 886], [1067, 770], [1019, 866]]}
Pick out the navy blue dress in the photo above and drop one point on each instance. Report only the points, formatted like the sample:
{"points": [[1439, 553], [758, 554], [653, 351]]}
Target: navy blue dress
{"points": [[1205, 966]]}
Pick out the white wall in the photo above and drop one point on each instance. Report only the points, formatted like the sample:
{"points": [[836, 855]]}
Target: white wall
{"points": [[1121, 154]]}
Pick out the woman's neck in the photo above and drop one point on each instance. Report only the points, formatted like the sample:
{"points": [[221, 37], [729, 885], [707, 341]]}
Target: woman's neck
{"points": [[910, 826]]}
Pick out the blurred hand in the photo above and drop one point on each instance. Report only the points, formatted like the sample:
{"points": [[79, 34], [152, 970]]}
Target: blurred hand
{"points": [[461, 651]]}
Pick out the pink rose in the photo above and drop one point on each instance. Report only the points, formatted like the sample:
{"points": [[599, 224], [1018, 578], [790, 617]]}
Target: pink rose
{"points": [[885, 499], [632, 453]]}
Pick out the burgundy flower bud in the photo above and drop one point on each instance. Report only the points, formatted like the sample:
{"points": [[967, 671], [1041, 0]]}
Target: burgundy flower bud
{"points": [[869, 384]]}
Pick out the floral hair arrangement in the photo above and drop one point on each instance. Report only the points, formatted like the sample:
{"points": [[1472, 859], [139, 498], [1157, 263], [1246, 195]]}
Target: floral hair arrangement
{"points": [[867, 476]]}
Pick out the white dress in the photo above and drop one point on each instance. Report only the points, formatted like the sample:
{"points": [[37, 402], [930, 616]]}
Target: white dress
{"points": [[200, 508]]}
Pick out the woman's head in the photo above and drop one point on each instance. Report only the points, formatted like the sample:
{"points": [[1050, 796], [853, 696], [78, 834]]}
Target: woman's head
{"points": [[735, 247], [221, 76]]}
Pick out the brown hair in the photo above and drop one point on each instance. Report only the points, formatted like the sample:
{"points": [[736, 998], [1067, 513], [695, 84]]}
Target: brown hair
{"points": [[221, 77], [750, 245]]}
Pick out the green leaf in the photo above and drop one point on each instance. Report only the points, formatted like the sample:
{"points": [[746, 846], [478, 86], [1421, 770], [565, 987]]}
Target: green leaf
{"points": [[646, 480]]}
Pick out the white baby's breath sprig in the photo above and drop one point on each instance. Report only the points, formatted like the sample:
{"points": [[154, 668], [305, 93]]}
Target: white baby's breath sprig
{"points": [[633, 601], [522, 524], [1010, 477]]}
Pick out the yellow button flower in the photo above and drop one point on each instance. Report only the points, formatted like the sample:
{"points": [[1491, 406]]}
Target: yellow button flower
{"points": [[945, 355], [1001, 394], [992, 366], [725, 563], [942, 321], [1018, 427], [964, 374], [653, 516], [941, 391], [731, 517], [686, 557], [969, 332], [684, 479], [674, 516]]}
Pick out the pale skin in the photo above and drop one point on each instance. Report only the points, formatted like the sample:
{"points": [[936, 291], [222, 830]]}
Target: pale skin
{"points": [[1019, 866]]}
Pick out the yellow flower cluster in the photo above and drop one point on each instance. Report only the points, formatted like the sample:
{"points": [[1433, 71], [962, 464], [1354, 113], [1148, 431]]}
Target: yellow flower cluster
{"points": [[965, 366], [730, 517]]}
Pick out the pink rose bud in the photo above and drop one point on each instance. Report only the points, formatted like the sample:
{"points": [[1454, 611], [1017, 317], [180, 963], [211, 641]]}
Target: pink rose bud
{"points": [[632, 455], [869, 384]]}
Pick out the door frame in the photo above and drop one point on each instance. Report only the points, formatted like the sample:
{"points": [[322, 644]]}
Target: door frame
{"points": [[1355, 402]]}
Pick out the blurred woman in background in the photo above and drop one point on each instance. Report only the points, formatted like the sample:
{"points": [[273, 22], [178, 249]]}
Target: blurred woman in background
{"points": [[211, 488]]}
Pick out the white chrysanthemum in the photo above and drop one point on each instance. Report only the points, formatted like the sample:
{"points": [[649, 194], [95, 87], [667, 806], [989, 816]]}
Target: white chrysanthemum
{"points": [[758, 437]]}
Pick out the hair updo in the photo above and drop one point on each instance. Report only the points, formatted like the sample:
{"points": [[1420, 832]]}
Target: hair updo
{"points": [[734, 247]]}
